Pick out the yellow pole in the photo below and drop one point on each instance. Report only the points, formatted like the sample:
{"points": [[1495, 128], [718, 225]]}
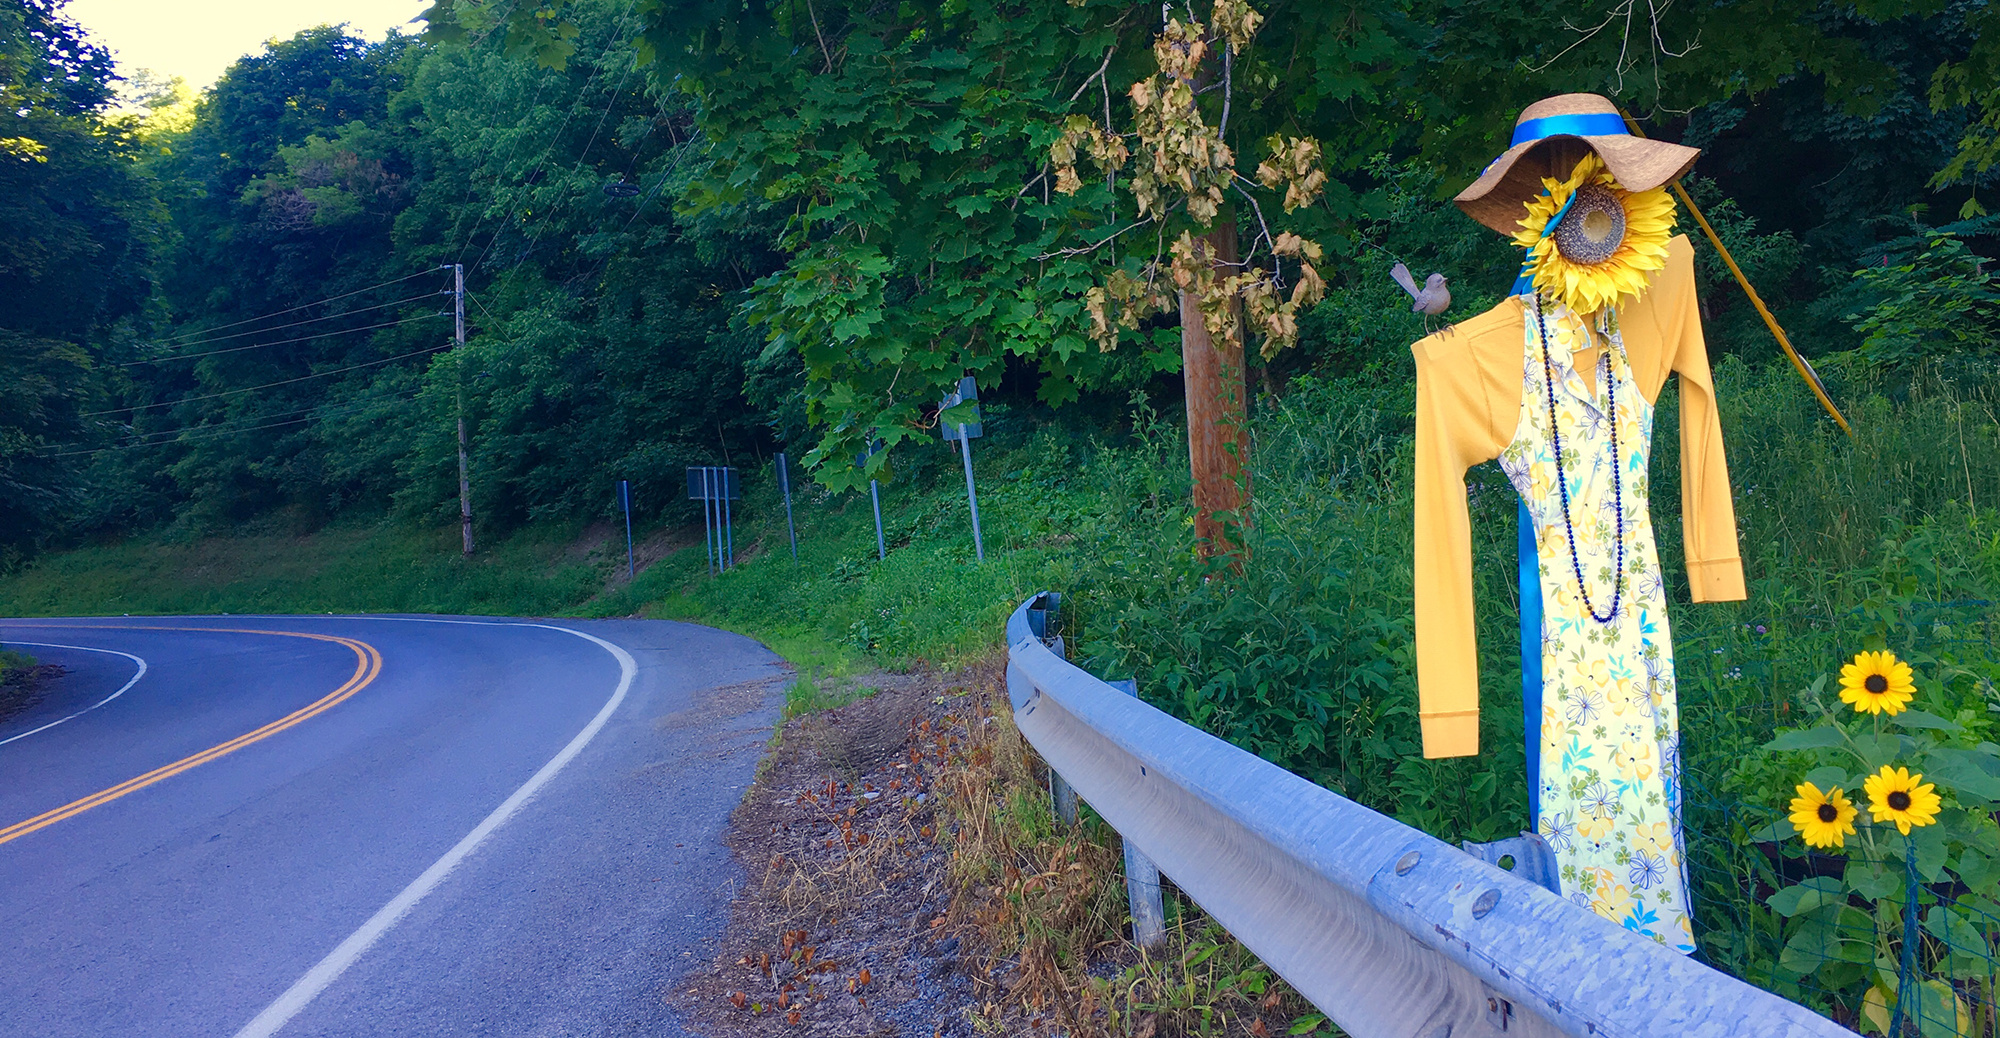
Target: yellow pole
{"points": [[1805, 370]]}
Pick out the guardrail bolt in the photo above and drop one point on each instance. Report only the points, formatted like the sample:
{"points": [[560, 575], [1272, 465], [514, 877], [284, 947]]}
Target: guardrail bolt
{"points": [[1485, 903], [1408, 862]]}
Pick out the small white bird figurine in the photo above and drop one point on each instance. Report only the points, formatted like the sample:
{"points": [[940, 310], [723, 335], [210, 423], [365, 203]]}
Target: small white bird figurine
{"points": [[1430, 300]]}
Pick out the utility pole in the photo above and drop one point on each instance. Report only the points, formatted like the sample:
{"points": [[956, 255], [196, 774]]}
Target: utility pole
{"points": [[464, 476], [1218, 426]]}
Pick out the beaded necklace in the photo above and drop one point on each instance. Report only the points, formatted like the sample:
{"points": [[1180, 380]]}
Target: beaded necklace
{"points": [[1562, 482]]}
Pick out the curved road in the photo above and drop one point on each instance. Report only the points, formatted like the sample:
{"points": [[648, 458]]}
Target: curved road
{"points": [[408, 826]]}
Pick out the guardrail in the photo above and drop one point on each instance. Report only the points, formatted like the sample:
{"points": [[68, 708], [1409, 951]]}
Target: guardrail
{"points": [[1390, 932]]}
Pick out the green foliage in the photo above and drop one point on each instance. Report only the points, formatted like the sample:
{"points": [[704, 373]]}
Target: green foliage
{"points": [[1306, 659], [1845, 930], [75, 220], [1930, 300]]}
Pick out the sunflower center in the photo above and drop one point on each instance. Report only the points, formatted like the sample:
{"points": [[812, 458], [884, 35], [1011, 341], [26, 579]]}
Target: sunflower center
{"points": [[1594, 227], [1876, 683], [1899, 800], [1597, 225], [1827, 813]]}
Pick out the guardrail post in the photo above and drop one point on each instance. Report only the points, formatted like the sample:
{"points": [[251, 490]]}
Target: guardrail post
{"points": [[1064, 798], [1142, 877]]}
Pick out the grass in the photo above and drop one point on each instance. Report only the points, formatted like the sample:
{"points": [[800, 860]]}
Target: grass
{"points": [[374, 567]]}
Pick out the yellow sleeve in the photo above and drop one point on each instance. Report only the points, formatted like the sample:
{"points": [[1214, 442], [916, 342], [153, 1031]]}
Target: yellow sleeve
{"points": [[1708, 512], [1468, 403]]}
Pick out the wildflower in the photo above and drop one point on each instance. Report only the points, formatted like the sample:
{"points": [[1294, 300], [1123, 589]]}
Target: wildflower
{"points": [[1895, 796], [1877, 683], [1823, 819]]}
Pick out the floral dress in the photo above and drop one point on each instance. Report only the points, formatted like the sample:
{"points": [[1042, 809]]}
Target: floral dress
{"points": [[1609, 797]]}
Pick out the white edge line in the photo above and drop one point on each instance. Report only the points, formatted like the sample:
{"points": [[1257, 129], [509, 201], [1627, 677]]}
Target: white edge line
{"points": [[308, 987], [81, 648]]}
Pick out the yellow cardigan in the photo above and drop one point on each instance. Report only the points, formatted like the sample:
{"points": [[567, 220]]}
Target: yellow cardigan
{"points": [[1469, 389]]}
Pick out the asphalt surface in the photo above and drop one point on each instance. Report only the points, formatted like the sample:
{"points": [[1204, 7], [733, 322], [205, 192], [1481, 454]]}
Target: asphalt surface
{"points": [[270, 880]]}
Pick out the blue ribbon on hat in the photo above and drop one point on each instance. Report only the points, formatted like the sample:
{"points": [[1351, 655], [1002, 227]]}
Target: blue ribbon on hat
{"points": [[1581, 124]]}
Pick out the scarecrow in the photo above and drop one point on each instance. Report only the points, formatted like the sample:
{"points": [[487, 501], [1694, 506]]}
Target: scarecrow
{"points": [[1558, 383]]}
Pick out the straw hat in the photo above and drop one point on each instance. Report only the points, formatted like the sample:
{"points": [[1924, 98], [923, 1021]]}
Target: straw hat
{"points": [[1549, 138]]}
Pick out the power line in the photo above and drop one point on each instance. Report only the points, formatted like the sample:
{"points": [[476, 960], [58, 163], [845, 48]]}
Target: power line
{"points": [[190, 428], [220, 431], [303, 338], [267, 385], [597, 68], [302, 306], [279, 328]]}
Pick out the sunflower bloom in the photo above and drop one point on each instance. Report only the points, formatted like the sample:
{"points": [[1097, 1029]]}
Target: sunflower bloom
{"points": [[1823, 819], [1623, 275], [1894, 795], [1877, 683]]}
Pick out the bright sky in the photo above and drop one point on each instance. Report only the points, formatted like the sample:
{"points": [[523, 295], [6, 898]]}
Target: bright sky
{"points": [[198, 39]]}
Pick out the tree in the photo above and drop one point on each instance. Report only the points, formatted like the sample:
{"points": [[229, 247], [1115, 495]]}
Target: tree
{"points": [[75, 219]]}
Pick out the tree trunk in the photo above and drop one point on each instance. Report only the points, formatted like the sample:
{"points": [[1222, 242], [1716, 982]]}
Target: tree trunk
{"points": [[1218, 432]]}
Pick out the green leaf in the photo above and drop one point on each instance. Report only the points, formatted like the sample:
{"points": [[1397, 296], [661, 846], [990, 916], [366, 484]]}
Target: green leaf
{"points": [[1879, 750], [1971, 954], [1817, 738], [1307, 1024], [1970, 773], [1777, 832], [1932, 845], [1845, 934], [1804, 897], [1977, 869], [1916, 719], [1873, 880], [1940, 1013], [1832, 776]]}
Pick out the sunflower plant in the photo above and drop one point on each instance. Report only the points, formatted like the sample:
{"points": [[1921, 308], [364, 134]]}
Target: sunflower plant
{"points": [[1890, 830]]}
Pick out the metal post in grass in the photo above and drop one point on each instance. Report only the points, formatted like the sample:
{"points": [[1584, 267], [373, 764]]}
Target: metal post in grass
{"points": [[785, 484], [625, 498], [875, 497], [699, 490], [728, 521], [707, 519], [1142, 877], [963, 432]]}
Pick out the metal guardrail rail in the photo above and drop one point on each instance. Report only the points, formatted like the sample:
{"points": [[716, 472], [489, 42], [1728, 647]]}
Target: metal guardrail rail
{"points": [[1390, 932]]}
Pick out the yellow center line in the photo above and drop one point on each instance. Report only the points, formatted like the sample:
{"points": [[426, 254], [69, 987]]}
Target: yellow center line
{"points": [[367, 668]]}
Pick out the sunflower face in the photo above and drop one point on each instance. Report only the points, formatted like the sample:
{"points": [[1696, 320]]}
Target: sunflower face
{"points": [[1898, 797], [1822, 819], [1877, 683], [1594, 227], [1606, 242]]}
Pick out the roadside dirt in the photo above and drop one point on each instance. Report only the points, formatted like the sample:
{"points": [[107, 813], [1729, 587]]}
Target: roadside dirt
{"points": [[905, 878], [844, 928], [24, 688]]}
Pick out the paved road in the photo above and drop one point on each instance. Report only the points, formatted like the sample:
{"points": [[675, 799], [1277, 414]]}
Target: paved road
{"points": [[369, 826]]}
